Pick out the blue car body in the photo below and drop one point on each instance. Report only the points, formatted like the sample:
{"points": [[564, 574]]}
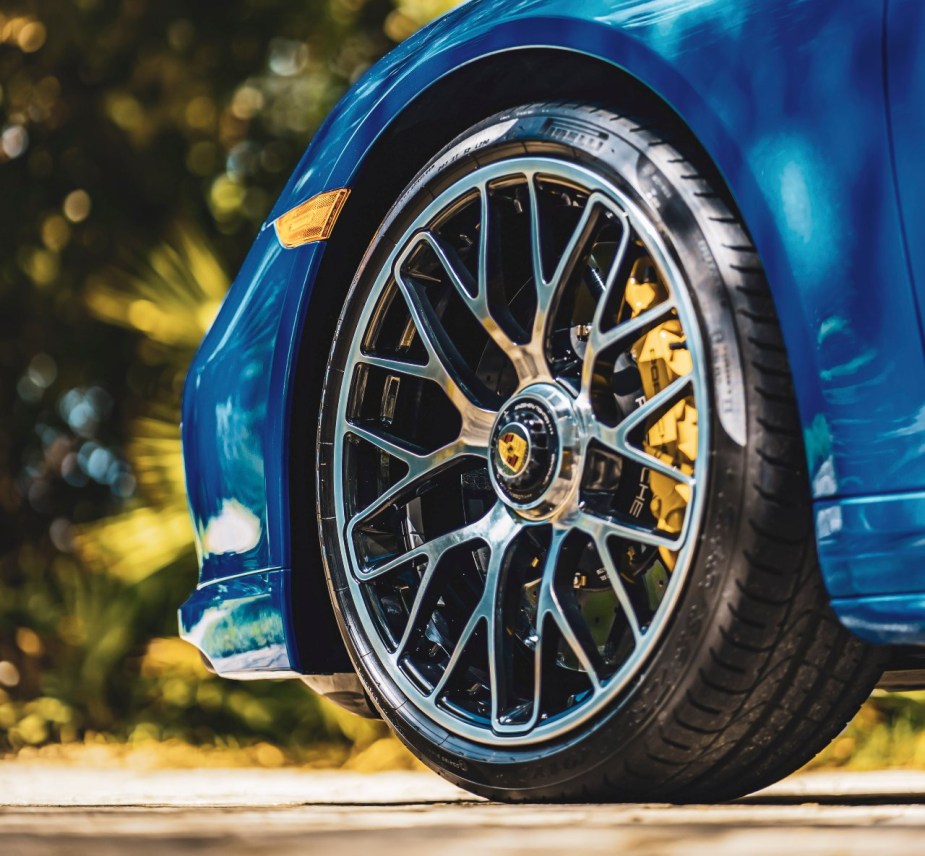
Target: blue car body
{"points": [[811, 110]]}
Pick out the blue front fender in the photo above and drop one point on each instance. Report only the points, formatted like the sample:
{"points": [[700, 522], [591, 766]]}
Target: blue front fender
{"points": [[810, 173]]}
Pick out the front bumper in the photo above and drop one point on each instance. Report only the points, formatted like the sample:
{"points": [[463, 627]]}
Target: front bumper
{"points": [[240, 626]]}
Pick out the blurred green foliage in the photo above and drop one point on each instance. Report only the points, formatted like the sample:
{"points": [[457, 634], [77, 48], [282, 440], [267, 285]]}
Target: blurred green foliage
{"points": [[142, 143], [889, 731]]}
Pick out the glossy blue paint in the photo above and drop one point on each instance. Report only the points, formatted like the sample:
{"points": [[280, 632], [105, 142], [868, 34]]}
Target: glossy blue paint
{"points": [[241, 626], [887, 620], [787, 98], [236, 405], [906, 89], [873, 545]]}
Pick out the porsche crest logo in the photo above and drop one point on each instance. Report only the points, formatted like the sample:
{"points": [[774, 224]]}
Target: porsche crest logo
{"points": [[512, 450]]}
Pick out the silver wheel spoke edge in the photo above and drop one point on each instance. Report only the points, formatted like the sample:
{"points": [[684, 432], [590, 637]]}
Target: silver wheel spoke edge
{"points": [[617, 437], [502, 529]]}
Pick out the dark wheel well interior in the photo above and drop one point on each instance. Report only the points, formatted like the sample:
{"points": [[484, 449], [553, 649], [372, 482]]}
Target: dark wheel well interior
{"points": [[438, 115]]}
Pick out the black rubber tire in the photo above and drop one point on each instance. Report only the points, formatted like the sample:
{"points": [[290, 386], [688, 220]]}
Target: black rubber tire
{"points": [[754, 674]]}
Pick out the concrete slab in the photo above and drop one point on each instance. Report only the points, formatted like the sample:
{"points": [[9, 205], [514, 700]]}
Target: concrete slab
{"points": [[45, 808]]}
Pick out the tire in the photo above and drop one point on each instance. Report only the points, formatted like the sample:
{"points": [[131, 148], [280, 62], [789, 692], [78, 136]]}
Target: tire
{"points": [[742, 672]]}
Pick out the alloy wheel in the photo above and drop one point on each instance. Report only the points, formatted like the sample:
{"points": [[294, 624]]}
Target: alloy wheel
{"points": [[520, 452]]}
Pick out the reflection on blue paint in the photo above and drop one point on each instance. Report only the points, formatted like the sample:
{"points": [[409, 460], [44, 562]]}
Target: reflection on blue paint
{"points": [[889, 619], [235, 529], [239, 625], [873, 545]]}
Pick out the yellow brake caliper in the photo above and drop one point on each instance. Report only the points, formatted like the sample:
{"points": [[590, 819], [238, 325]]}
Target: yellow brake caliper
{"points": [[662, 356]]}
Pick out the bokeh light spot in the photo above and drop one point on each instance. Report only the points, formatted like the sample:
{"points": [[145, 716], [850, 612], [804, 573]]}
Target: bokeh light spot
{"points": [[40, 265], [287, 57], [55, 233], [125, 111], [77, 206], [226, 196], [247, 102], [14, 141], [200, 112], [9, 674], [28, 641], [43, 370], [31, 37]]}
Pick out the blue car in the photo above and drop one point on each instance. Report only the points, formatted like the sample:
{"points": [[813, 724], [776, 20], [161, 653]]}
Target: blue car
{"points": [[569, 410]]}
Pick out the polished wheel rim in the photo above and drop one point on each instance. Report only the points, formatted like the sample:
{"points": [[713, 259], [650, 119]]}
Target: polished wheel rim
{"points": [[520, 451]]}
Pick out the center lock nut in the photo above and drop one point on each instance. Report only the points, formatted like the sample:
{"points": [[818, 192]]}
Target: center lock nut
{"points": [[534, 451], [525, 448]]}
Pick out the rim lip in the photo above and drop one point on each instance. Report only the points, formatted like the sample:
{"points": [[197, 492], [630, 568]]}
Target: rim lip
{"points": [[555, 168]]}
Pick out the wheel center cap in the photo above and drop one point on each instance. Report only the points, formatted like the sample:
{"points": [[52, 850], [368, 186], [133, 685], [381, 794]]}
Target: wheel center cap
{"points": [[534, 448], [512, 451]]}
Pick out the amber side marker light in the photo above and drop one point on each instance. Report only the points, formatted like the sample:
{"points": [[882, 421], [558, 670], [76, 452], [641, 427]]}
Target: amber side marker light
{"points": [[311, 221]]}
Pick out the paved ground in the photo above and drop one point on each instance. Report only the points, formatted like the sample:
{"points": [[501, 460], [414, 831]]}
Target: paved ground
{"points": [[50, 809]]}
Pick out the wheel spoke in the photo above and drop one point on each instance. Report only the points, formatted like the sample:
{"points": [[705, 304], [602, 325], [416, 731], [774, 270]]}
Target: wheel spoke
{"points": [[439, 366], [545, 608], [476, 420], [463, 284], [477, 617], [617, 437], [431, 370], [616, 582], [625, 332], [631, 329], [432, 551], [550, 606], [595, 525], [571, 638], [539, 654], [529, 358], [502, 529], [577, 244], [536, 249], [527, 364], [416, 462], [421, 467], [497, 670]]}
